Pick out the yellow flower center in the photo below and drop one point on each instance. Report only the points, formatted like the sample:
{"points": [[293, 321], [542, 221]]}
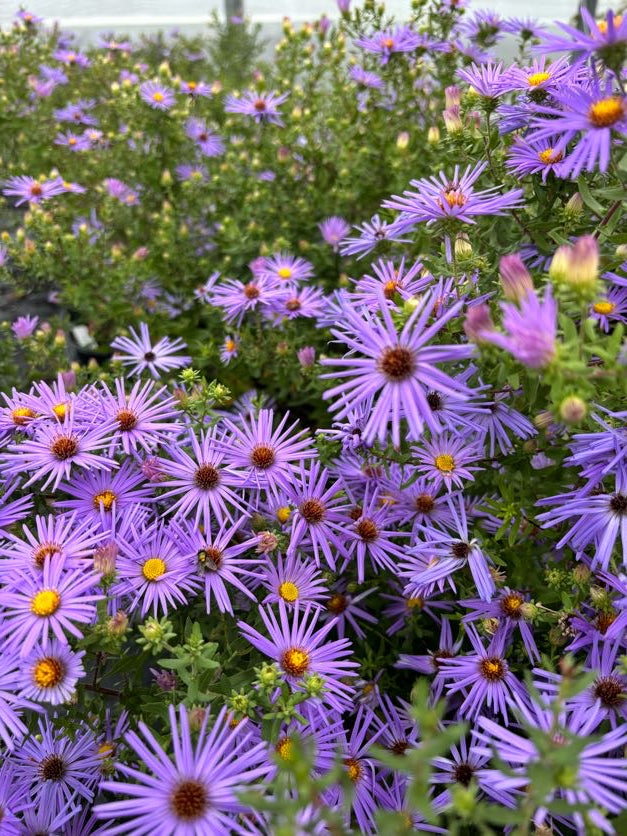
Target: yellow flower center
{"points": [[157, 96], [192, 85], [445, 463], [105, 749], [104, 500], [602, 24], [230, 345], [21, 415], [354, 769], [606, 112], [45, 603], [284, 749], [60, 410], [288, 591], [48, 672], [295, 661], [604, 307], [537, 78], [550, 155], [72, 140], [414, 603], [283, 514], [153, 568], [388, 43], [454, 198], [284, 272]]}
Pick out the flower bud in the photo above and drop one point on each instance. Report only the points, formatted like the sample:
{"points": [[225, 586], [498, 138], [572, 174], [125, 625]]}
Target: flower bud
{"points": [[574, 207], [117, 624], [452, 96], [573, 410], [267, 542], [515, 277], [306, 356], [452, 120], [581, 573], [577, 267], [478, 322], [402, 140], [433, 135], [463, 247]]}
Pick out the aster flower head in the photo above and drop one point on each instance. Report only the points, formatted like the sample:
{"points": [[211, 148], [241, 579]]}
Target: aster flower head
{"points": [[596, 112], [263, 107], [237, 298], [293, 580], [391, 41], [50, 601], [447, 460], [373, 233], [604, 38], [540, 156], [71, 58], [209, 144], [51, 675], [284, 268], [196, 788], [395, 371], [333, 229], [345, 610], [392, 280], [138, 352], [488, 80], [157, 95], [58, 769], [29, 190], [24, 326], [452, 199], [300, 648], [366, 78], [196, 88], [531, 330]]}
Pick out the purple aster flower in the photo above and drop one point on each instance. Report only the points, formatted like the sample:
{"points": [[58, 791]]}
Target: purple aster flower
{"points": [[366, 78], [138, 352], [218, 559], [372, 234], [17, 509], [299, 648], [51, 675], [194, 789], [143, 418], [24, 326], [197, 473], [531, 330], [292, 303], [12, 729], [192, 173], [333, 229], [599, 774], [499, 420], [611, 308], [75, 142], [157, 95], [319, 521], [526, 157], [196, 88], [488, 80], [121, 191], [28, 18], [595, 112], [27, 189], [99, 496], [466, 767], [57, 768], [483, 678], [392, 41], [228, 349], [599, 37], [71, 58], [602, 520], [78, 113], [342, 608], [602, 452], [61, 538], [284, 268], [369, 537], [209, 144], [263, 107], [54, 450], [432, 662], [318, 730], [237, 298], [12, 800], [512, 611], [292, 580], [48, 601], [267, 456], [152, 573], [397, 369], [538, 78], [442, 198], [439, 555], [392, 281], [484, 28], [402, 609]]}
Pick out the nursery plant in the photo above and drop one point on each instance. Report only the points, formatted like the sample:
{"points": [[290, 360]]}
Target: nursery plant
{"points": [[313, 443]]}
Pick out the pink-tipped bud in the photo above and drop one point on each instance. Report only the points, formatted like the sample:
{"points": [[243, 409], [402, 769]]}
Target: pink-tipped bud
{"points": [[453, 120], [577, 267], [478, 322], [516, 279], [307, 356], [452, 96]]}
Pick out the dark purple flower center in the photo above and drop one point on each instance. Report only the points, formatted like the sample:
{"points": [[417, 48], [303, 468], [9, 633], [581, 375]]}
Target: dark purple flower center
{"points": [[397, 363], [435, 401], [43, 551], [460, 550], [260, 105], [463, 774], [618, 503], [610, 690], [337, 604], [127, 419], [293, 304], [52, 768], [206, 477], [424, 503], [251, 291], [399, 747], [149, 356], [189, 800]]}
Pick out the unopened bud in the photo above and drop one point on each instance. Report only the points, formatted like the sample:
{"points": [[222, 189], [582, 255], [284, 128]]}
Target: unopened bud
{"points": [[433, 135], [402, 140], [516, 279], [463, 247], [573, 410], [574, 207], [577, 267], [478, 322], [581, 573]]}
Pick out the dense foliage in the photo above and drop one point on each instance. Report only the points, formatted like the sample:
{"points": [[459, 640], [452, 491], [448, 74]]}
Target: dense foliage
{"points": [[313, 455]]}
